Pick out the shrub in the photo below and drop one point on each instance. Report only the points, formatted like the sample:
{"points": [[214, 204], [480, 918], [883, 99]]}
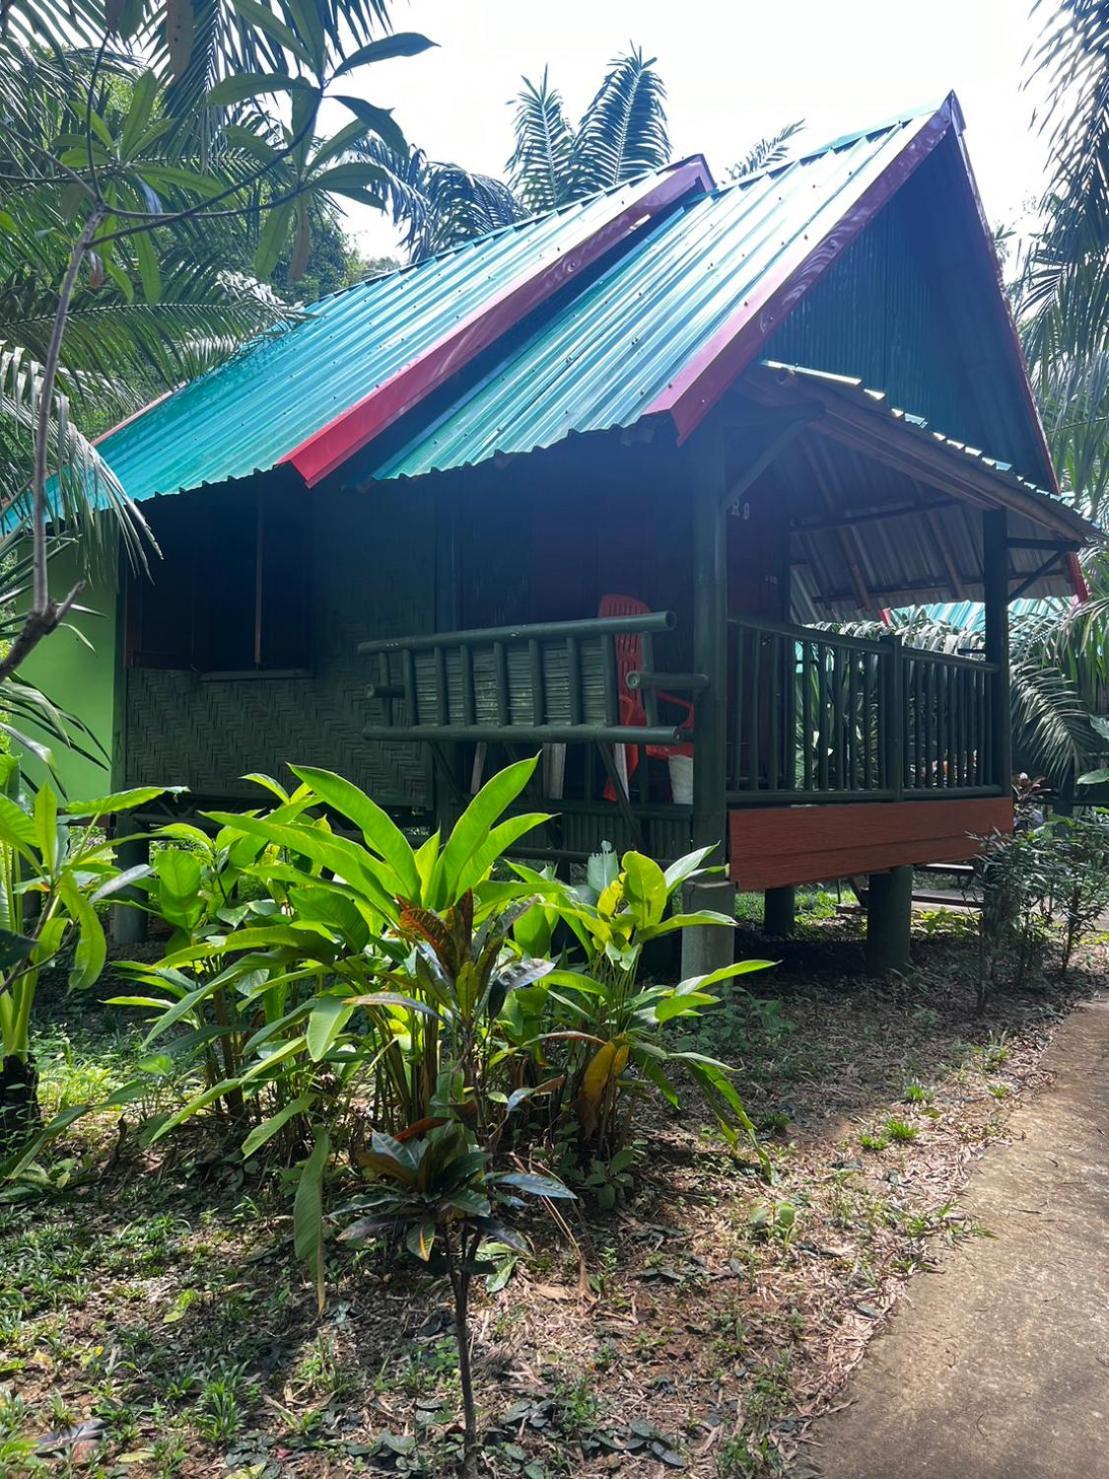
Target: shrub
{"points": [[345, 990]]}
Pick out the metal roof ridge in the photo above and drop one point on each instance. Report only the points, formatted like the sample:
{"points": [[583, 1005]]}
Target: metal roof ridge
{"points": [[844, 141], [356, 426], [522, 224]]}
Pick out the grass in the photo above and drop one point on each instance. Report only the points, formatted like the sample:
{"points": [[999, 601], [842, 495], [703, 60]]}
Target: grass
{"points": [[160, 1298], [899, 1132]]}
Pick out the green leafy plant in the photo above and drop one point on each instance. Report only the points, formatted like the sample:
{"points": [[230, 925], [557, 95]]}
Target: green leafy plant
{"points": [[56, 869], [613, 1023], [439, 1193], [900, 1131]]}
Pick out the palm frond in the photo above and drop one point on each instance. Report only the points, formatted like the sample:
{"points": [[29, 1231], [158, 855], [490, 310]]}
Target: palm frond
{"points": [[82, 483], [539, 169], [1052, 734], [437, 205], [767, 152], [623, 132]]}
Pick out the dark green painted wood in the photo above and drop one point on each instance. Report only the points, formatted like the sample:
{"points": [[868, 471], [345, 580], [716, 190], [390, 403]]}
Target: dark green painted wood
{"points": [[889, 912], [995, 576], [779, 911], [710, 616]]}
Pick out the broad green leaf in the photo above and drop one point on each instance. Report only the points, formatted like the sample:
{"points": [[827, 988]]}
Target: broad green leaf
{"points": [[238, 87], [342, 178], [268, 1128], [337, 145], [114, 801], [377, 120], [179, 875], [91, 949], [537, 1186], [724, 973], [685, 921], [46, 826], [680, 1006], [420, 1238], [644, 888], [263, 19], [271, 241], [337, 854], [472, 829], [377, 827], [194, 1106], [325, 1022], [14, 948], [119, 881], [162, 176], [17, 829], [404, 43], [150, 271], [308, 1213], [498, 842], [144, 90], [683, 868]]}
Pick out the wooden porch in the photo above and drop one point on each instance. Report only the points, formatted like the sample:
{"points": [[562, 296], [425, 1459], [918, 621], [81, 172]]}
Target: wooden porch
{"points": [[813, 718]]}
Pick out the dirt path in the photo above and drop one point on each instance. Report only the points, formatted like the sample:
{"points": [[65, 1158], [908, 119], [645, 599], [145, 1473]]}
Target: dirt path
{"points": [[997, 1367]]}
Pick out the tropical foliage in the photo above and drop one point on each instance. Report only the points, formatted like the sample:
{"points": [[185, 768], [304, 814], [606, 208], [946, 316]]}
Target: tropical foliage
{"points": [[1064, 286], [136, 169], [452, 1025], [623, 133], [55, 869]]}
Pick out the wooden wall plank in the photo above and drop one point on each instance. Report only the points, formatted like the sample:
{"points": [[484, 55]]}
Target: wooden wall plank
{"points": [[773, 847]]}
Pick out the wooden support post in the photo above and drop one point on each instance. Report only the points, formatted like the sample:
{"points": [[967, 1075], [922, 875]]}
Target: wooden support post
{"points": [[129, 924], [709, 948], [710, 644], [778, 910], [995, 583], [889, 915]]}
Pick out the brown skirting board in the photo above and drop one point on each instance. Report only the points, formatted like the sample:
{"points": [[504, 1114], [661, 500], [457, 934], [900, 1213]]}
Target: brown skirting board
{"points": [[775, 846]]}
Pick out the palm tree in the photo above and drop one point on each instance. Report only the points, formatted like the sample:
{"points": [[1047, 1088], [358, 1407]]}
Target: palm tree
{"points": [[123, 195], [1064, 284], [1049, 709], [622, 134]]}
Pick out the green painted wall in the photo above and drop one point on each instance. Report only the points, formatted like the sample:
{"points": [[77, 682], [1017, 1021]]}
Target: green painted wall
{"points": [[77, 679]]}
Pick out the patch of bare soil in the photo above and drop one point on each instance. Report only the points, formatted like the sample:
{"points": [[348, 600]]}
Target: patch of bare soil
{"points": [[698, 1328]]}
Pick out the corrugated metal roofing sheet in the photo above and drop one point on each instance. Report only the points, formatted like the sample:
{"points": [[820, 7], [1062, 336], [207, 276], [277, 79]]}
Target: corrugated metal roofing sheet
{"points": [[617, 348], [278, 393], [917, 428], [970, 616]]}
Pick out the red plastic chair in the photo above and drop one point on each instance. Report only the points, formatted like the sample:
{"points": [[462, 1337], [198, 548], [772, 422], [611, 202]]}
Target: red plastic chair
{"points": [[629, 659]]}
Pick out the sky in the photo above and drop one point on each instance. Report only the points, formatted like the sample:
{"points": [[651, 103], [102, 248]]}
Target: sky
{"points": [[734, 72]]}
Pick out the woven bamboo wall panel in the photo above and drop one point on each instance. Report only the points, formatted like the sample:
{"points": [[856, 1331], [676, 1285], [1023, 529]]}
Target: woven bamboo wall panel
{"points": [[372, 566]]}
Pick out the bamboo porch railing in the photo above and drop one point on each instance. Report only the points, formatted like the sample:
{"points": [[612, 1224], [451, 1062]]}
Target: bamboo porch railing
{"points": [[813, 716], [551, 683]]}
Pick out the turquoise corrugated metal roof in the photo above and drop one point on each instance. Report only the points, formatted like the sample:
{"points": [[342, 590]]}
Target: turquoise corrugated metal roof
{"points": [[618, 345], [698, 278], [970, 616], [259, 407]]}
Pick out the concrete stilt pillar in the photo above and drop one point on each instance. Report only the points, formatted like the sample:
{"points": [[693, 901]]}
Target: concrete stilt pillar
{"points": [[708, 947], [128, 924], [889, 913], [778, 910]]}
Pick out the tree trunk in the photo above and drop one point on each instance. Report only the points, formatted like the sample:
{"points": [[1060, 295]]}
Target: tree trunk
{"points": [[460, 1284], [19, 1106]]}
